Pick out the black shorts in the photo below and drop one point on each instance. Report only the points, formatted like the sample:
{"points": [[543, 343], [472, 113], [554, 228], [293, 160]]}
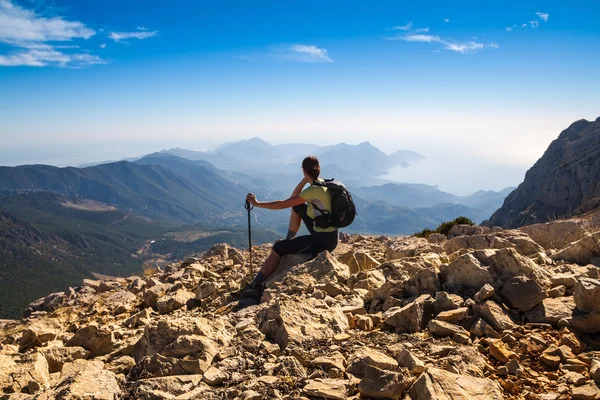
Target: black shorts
{"points": [[312, 244]]}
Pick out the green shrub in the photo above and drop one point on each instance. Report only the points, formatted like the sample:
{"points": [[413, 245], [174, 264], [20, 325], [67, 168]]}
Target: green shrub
{"points": [[444, 227]]}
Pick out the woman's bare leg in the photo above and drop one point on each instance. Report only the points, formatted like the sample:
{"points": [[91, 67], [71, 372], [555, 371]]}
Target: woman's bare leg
{"points": [[295, 222], [270, 264]]}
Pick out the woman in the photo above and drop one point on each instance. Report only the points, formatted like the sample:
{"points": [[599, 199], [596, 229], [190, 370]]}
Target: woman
{"points": [[306, 205]]}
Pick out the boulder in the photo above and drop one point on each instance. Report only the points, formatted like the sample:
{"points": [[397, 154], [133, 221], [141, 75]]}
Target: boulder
{"points": [[466, 271], [58, 356], [28, 375], [333, 361], [121, 301], [586, 323], [555, 234], [381, 384], [361, 359], [494, 315], [467, 230], [98, 340], [409, 361], [331, 389], [39, 332], [436, 383], [587, 295], [486, 292], [290, 366], [321, 269], [453, 316], [288, 321], [551, 310], [174, 346], [411, 318], [175, 301], [445, 302], [410, 247], [582, 251], [522, 293], [445, 329]]}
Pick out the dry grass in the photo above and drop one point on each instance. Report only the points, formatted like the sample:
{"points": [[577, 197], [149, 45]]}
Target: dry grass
{"points": [[149, 270]]}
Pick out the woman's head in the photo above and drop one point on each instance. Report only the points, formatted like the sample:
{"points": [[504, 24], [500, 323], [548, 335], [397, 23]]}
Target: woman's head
{"points": [[311, 167]]}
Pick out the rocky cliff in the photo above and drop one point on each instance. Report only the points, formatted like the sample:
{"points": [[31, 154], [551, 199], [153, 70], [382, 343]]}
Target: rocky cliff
{"points": [[480, 314], [564, 182]]}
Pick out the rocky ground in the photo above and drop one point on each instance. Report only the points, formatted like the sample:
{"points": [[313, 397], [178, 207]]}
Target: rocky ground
{"points": [[480, 314]]}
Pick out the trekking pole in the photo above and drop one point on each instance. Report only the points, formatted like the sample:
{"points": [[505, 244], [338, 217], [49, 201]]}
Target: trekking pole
{"points": [[249, 207]]}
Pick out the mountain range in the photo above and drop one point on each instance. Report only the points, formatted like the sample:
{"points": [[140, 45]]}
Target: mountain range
{"points": [[61, 224]]}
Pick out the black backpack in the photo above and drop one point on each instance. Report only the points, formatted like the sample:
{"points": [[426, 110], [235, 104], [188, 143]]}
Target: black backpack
{"points": [[343, 210]]}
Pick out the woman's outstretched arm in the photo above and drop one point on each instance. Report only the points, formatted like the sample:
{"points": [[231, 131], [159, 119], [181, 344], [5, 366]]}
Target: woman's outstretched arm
{"points": [[275, 205]]}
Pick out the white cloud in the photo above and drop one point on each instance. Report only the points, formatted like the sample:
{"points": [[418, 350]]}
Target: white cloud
{"points": [[103, 46], [508, 29], [24, 28], [425, 30], [543, 16], [446, 20], [404, 27], [524, 25], [421, 38], [31, 33], [464, 47], [494, 46], [468, 47], [307, 53], [42, 58], [122, 36], [142, 28], [534, 24]]}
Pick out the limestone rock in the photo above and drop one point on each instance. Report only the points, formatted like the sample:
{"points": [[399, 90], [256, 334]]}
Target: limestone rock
{"points": [[358, 362], [171, 387], [445, 329], [494, 315], [167, 342], [331, 389], [409, 361], [58, 356], [445, 301], [522, 293], [435, 383], [381, 384], [214, 376], [410, 247], [40, 331], [453, 316], [587, 295], [121, 301], [551, 310], [555, 234], [466, 271], [334, 361], [96, 339], [411, 318], [582, 251], [174, 301], [298, 321], [290, 366], [486, 292]]}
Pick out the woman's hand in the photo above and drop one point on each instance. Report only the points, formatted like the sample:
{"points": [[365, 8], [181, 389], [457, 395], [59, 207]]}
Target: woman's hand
{"points": [[252, 199]]}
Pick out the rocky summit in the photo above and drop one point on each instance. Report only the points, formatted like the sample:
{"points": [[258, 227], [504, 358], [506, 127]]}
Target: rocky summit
{"points": [[563, 183], [478, 314]]}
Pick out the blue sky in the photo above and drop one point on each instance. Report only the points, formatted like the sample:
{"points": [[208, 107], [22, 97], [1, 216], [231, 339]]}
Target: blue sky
{"points": [[494, 81]]}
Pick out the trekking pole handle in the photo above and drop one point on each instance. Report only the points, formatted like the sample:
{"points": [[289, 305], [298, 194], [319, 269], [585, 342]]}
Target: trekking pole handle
{"points": [[248, 206]]}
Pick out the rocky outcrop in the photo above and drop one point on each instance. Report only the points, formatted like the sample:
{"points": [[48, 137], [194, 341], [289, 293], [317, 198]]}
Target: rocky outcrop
{"points": [[487, 313], [563, 183]]}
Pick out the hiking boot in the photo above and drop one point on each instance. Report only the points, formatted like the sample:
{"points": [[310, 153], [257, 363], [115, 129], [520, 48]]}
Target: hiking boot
{"points": [[249, 292]]}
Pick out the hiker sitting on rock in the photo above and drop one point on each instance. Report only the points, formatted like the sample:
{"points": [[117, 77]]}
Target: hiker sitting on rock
{"points": [[306, 205]]}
